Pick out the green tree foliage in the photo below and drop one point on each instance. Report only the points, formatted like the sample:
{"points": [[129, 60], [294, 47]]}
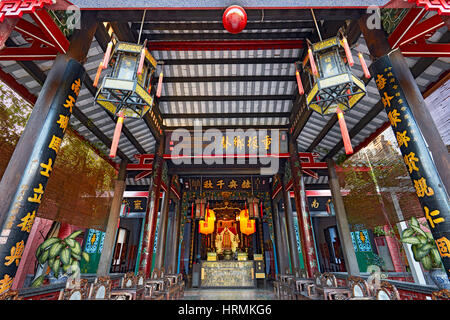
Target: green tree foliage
{"points": [[81, 180]]}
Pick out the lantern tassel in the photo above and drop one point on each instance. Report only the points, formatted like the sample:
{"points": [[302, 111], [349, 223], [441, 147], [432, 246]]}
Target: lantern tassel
{"points": [[97, 76], [364, 65], [141, 62], [312, 62], [107, 55], [344, 132], [301, 91], [116, 137], [348, 53], [159, 89]]}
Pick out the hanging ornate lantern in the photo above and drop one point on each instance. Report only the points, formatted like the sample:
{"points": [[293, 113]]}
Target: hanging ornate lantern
{"points": [[334, 89], [253, 207], [125, 91], [200, 206]]}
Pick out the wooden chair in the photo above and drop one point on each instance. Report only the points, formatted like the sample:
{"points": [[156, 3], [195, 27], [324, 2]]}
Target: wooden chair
{"points": [[326, 287], [155, 273], [100, 289], [359, 288], [176, 285], [285, 291], [387, 291], [76, 289], [310, 289], [129, 289], [128, 280], [301, 284], [182, 284], [276, 286], [76, 283], [330, 289], [140, 279], [443, 294], [156, 286], [10, 295], [329, 280]]}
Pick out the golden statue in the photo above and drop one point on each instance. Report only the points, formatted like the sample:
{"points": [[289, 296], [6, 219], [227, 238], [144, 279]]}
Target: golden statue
{"points": [[226, 240]]}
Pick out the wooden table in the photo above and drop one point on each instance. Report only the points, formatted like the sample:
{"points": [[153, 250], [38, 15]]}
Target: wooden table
{"points": [[135, 293]]}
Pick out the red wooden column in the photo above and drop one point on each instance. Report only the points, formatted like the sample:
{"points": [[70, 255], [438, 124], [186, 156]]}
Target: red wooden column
{"points": [[304, 219], [151, 214]]}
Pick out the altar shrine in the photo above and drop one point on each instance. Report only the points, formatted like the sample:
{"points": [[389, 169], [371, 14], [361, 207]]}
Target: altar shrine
{"points": [[223, 147]]}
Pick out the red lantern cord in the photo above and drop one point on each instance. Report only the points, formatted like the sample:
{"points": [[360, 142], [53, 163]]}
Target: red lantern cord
{"points": [[348, 53], [97, 75], [107, 55], [159, 89], [141, 62], [116, 137], [344, 132], [301, 91], [364, 65], [312, 62], [192, 211]]}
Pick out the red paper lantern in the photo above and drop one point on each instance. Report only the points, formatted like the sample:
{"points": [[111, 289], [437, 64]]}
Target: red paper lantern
{"points": [[234, 19]]}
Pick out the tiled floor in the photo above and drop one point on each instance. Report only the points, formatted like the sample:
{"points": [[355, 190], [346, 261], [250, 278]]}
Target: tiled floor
{"points": [[228, 294]]}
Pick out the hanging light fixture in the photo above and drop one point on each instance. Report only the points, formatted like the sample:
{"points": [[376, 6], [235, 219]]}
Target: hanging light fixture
{"points": [[247, 225], [200, 208], [334, 89], [125, 91], [234, 19], [206, 226], [253, 207]]}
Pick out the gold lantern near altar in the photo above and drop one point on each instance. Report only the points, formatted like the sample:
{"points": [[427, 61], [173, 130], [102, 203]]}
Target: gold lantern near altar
{"points": [[246, 225], [334, 88], [126, 90], [207, 226]]}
